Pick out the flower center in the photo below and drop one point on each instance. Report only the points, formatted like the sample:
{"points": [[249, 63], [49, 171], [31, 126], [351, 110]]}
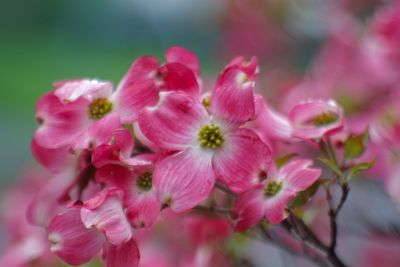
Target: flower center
{"points": [[210, 136], [145, 181], [272, 188], [324, 118], [99, 108]]}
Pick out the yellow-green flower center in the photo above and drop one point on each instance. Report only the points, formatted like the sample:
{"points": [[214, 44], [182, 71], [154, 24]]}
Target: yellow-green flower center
{"points": [[325, 118], [211, 136], [272, 188], [145, 181], [99, 108]]}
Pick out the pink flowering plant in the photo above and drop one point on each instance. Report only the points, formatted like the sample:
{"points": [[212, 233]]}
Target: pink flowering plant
{"points": [[165, 170], [161, 147]]}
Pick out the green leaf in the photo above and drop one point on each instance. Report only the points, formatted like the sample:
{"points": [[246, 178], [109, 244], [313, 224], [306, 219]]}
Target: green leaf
{"points": [[331, 165], [284, 159], [356, 169], [305, 195], [355, 145]]}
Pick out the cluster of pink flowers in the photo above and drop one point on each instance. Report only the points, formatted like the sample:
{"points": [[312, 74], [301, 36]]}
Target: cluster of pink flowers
{"points": [[163, 148], [160, 141]]}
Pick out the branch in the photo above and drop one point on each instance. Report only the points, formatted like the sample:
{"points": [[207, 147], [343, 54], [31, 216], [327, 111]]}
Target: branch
{"points": [[333, 213], [304, 233]]}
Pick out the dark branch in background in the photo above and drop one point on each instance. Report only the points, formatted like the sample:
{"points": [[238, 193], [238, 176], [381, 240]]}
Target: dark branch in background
{"points": [[303, 233], [334, 211]]}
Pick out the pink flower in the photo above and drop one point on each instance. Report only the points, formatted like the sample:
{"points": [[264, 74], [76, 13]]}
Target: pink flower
{"points": [[70, 115], [307, 120], [209, 145], [140, 199], [80, 233], [270, 198]]}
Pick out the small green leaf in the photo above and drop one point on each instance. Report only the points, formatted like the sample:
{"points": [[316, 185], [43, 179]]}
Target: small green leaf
{"points": [[331, 165], [305, 195], [355, 145], [356, 169], [284, 159]]}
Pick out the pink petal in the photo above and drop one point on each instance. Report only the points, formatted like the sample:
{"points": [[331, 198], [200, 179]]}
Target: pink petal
{"points": [[232, 98], [55, 160], [275, 206], [248, 209], [124, 255], [248, 67], [47, 201], [143, 209], [115, 176], [174, 122], [184, 179], [178, 77], [105, 213], [273, 124], [138, 88], [71, 241], [302, 114], [100, 132], [69, 91], [298, 176], [60, 123], [185, 57], [293, 167], [240, 160], [120, 147]]}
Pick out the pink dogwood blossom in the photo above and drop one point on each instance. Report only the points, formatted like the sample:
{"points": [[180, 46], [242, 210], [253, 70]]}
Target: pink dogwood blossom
{"points": [[271, 197], [307, 120], [209, 145]]}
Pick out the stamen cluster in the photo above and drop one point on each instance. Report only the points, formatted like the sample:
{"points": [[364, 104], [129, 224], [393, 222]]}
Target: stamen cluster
{"points": [[210, 136]]}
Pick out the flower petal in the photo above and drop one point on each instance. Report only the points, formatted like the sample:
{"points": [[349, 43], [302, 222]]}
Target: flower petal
{"points": [[185, 57], [298, 175], [60, 123], [239, 161], [137, 89], [120, 147], [105, 213], [69, 91], [248, 209], [274, 125], [313, 119], [47, 201], [178, 77], [274, 207], [124, 255], [98, 133], [71, 241], [55, 160], [143, 209], [184, 179], [174, 122], [232, 98]]}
